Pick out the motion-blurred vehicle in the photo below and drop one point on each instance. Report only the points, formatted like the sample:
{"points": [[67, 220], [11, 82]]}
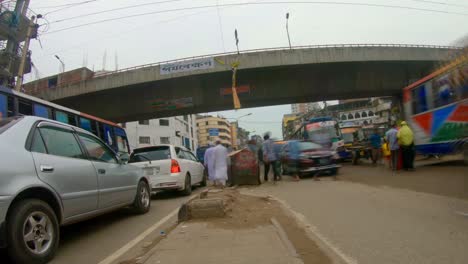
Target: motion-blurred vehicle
{"points": [[201, 153], [321, 130], [169, 167], [54, 174], [14, 103], [305, 157], [355, 145], [435, 108]]}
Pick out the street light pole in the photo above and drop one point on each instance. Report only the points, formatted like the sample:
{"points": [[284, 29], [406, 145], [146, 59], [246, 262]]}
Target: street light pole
{"points": [[237, 40], [237, 118], [61, 62], [287, 29]]}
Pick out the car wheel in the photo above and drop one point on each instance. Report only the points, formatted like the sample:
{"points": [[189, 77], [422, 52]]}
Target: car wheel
{"points": [[465, 154], [32, 232], [333, 171], [187, 186], [142, 202]]}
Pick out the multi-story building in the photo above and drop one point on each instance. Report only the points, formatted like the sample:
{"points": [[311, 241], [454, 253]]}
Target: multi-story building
{"points": [[364, 112], [179, 131], [212, 128], [239, 136], [304, 107]]}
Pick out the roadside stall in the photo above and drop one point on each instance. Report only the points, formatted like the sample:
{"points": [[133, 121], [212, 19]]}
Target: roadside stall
{"points": [[244, 168]]}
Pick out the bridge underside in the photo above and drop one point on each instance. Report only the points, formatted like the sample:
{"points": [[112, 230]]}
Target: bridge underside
{"points": [[259, 87]]}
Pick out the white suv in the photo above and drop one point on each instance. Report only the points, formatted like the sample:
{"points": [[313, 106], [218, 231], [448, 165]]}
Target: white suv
{"points": [[169, 167]]}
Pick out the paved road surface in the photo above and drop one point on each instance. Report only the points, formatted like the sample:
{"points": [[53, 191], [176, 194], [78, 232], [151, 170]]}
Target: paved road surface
{"points": [[97, 238], [384, 225]]}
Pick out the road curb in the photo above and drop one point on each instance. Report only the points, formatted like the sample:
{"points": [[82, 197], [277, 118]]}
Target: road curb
{"points": [[285, 239], [335, 253], [169, 222]]}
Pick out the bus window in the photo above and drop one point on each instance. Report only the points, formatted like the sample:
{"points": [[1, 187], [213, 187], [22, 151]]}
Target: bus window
{"points": [[85, 124], [61, 117], [108, 134], [443, 92], [42, 111], [73, 120], [11, 106], [25, 107], [94, 129], [419, 100], [3, 106], [121, 140]]}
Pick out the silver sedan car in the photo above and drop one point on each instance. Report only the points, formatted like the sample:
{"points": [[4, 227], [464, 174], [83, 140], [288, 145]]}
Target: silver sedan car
{"points": [[53, 174]]}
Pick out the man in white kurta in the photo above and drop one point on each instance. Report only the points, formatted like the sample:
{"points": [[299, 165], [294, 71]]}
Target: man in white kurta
{"points": [[220, 165], [209, 162]]}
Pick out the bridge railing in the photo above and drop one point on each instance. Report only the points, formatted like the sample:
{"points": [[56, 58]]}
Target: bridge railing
{"points": [[273, 49]]}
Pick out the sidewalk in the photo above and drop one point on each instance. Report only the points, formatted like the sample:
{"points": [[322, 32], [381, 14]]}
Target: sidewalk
{"points": [[200, 243]]}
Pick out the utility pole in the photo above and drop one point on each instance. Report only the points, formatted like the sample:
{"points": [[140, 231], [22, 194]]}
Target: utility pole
{"points": [[19, 81], [12, 43], [287, 29]]}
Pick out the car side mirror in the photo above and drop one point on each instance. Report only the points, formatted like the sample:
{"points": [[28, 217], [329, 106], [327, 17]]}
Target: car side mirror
{"points": [[123, 158]]}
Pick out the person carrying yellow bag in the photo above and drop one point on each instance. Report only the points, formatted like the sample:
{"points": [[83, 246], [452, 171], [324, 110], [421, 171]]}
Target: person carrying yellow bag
{"points": [[386, 151]]}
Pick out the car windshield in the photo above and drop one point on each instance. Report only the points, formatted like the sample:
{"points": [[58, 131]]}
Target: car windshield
{"points": [[309, 146], [321, 134], [6, 123], [348, 137], [153, 153]]}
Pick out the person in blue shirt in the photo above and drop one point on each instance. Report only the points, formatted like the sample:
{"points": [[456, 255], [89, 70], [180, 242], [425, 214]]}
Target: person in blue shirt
{"points": [[270, 157], [376, 146], [392, 140]]}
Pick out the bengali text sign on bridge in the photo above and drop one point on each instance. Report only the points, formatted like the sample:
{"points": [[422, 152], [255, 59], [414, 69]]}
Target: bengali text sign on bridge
{"points": [[187, 66]]}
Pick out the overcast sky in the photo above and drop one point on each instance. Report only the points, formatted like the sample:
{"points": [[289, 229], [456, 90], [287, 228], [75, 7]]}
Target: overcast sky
{"points": [[163, 36]]}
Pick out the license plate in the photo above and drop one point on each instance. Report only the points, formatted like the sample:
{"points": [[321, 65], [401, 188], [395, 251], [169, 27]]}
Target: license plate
{"points": [[323, 161]]}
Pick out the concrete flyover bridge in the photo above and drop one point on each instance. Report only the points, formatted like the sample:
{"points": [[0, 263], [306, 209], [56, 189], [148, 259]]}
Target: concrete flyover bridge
{"points": [[265, 77]]}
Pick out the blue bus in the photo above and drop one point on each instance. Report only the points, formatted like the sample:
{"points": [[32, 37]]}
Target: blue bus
{"points": [[13, 103]]}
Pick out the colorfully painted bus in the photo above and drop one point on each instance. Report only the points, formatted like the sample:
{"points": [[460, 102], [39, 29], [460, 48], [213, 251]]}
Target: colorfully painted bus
{"points": [[321, 130], [436, 108], [13, 103]]}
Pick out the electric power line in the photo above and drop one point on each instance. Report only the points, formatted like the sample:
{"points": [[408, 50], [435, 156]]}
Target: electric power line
{"points": [[115, 9], [122, 34], [217, 6], [258, 3], [439, 3], [65, 5]]}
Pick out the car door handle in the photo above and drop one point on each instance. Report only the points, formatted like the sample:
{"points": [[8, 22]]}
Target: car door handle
{"points": [[101, 171], [46, 168]]}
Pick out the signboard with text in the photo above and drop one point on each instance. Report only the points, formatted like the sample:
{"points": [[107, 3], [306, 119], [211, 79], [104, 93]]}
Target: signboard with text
{"points": [[187, 66], [213, 132]]}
